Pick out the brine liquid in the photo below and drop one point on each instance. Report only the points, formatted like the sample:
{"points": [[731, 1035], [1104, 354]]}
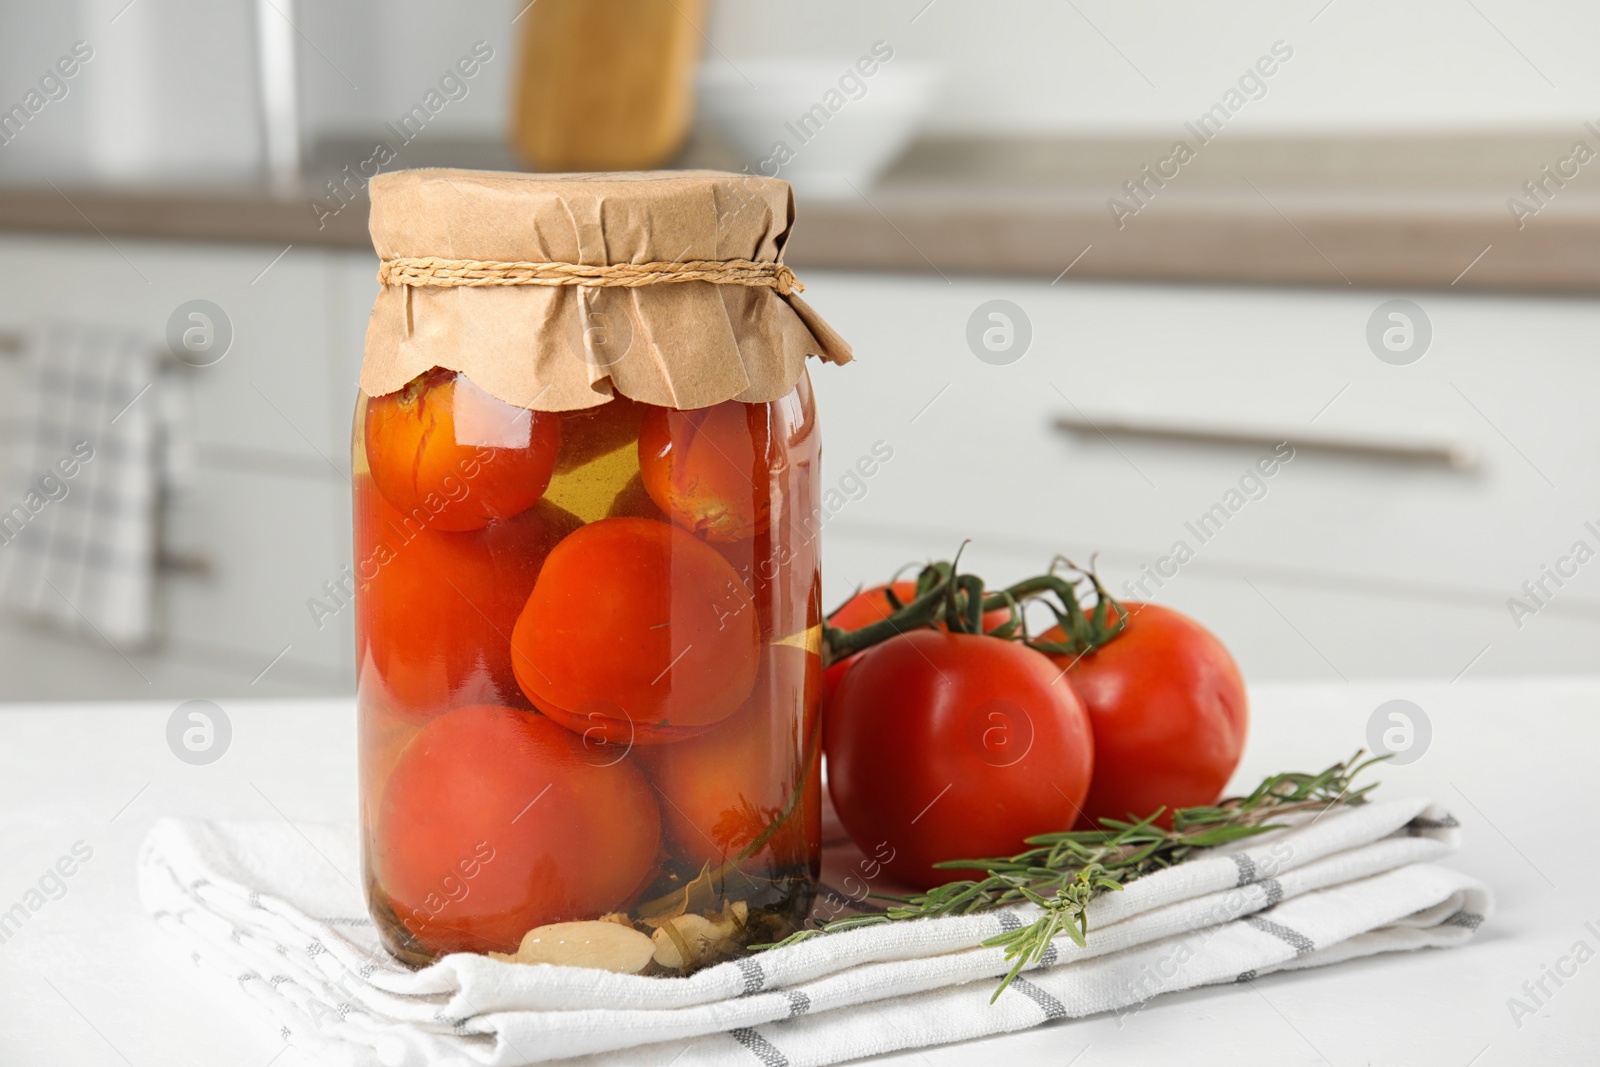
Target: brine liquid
{"points": [[738, 804]]}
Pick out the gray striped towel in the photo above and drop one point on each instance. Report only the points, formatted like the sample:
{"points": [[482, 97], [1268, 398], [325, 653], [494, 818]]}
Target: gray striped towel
{"points": [[78, 514], [273, 911]]}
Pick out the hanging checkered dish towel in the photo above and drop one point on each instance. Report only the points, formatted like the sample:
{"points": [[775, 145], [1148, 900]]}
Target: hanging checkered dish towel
{"points": [[79, 506]]}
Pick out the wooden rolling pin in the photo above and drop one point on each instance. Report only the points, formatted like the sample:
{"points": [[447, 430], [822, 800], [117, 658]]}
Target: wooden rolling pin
{"points": [[605, 84]]}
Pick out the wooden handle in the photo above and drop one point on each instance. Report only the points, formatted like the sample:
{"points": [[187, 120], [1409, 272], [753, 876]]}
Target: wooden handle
{"points": [[605, 84]]}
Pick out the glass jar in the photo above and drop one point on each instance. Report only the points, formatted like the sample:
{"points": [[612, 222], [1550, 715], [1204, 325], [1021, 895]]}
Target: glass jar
{"points": [[588, 673]]}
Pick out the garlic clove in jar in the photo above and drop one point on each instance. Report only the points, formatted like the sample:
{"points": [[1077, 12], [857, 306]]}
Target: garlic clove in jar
{"points": [[686, 940], [601, 943]]}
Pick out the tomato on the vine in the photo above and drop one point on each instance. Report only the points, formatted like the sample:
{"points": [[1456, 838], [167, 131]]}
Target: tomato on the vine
{"points": [[710, 469], [873, 605], [444, 447], [1169, 712], [436, 620], [495, 821], [954, 746], [636, 632]]}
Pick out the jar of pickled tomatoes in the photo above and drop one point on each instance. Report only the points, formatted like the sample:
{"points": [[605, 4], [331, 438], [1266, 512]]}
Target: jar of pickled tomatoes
{"points": [[586, 546]]}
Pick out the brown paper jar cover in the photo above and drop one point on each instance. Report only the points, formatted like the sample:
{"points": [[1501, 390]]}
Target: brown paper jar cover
{"points": [[686, 344]]}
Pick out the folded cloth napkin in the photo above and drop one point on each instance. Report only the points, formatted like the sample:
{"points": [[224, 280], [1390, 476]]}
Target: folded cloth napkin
{"points": [[269, 906], [78, 525]]}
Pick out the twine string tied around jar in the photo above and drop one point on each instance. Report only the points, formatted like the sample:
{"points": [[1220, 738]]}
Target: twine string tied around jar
{"points": [[433, 272]]}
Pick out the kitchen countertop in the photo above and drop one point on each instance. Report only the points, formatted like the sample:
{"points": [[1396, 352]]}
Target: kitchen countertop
{"points": [[89, 980], [1415, 212]]}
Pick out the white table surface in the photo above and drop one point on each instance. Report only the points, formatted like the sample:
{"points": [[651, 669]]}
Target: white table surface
{"points": [[88, 980]]}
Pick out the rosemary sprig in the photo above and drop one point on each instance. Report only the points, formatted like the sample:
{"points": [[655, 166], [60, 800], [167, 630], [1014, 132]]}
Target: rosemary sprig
{"points": [[1063, 872]]}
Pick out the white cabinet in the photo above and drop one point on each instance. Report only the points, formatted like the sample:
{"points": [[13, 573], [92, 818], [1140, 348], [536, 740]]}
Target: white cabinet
{"points": [[1334, 565], [1337, 566]]}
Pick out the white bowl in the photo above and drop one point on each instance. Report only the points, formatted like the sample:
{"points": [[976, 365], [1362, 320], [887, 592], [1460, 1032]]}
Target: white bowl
{"points": [[820, 124]]}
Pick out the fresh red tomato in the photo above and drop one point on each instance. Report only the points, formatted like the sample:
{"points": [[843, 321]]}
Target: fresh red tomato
{"points": [[494, 821], [637, 632], [439, 607], [954, 746], [711, 469], [1168, 708], [721, 790], [444, 448], [872, 605]]}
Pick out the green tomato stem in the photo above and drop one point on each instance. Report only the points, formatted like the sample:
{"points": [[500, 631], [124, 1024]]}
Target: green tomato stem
{"points": [[958, 602]]}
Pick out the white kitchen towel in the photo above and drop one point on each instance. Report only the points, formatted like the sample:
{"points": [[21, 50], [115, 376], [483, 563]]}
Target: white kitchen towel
{"points": [[275, 909], [78, 533]]}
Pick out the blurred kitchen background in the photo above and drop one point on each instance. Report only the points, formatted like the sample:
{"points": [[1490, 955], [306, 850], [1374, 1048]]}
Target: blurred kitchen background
{"points": [[1380, 244]]}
